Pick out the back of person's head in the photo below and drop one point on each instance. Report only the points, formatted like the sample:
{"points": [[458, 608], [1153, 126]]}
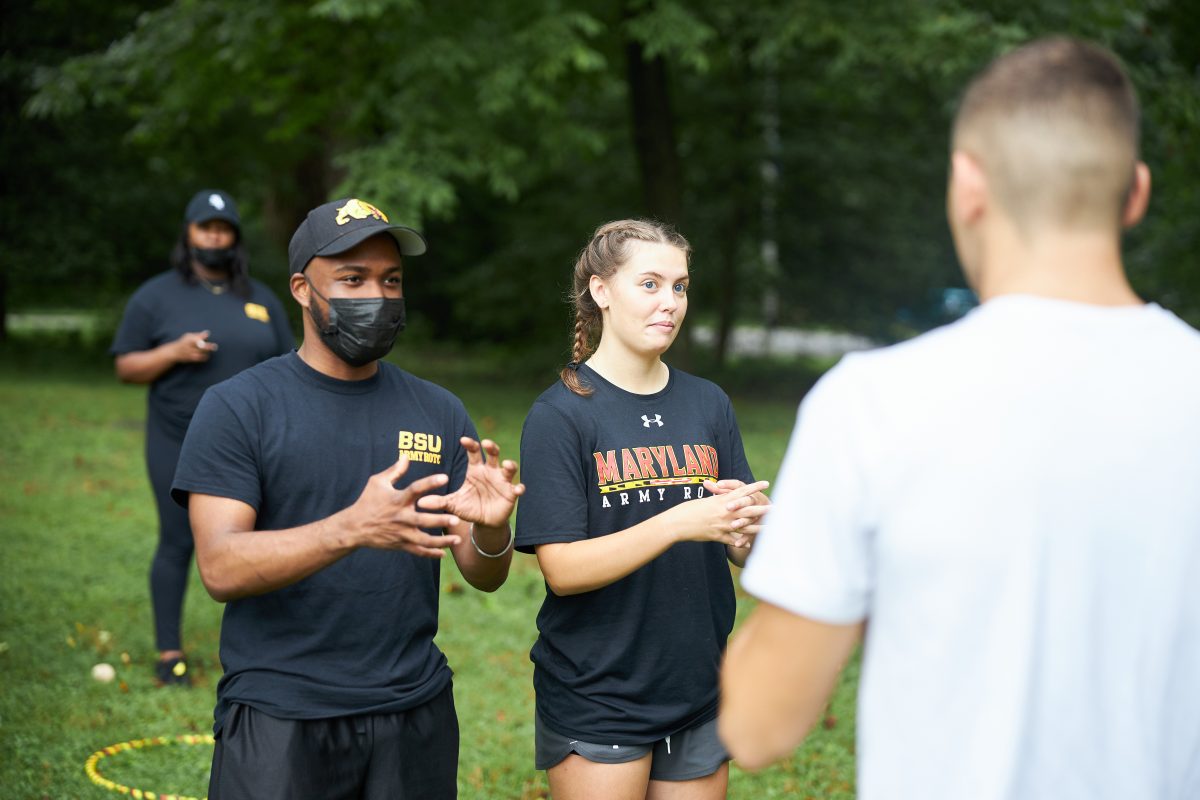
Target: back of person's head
{"points": [[611, 246], [1054, 127]]}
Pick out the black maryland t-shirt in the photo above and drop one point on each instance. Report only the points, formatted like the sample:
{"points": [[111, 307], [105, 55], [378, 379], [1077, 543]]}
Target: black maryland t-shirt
{"points": [[636, 660], [165, 307], [298, 446]]}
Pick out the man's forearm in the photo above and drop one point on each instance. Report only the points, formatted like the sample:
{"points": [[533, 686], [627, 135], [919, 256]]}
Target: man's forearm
{"points": [[779, 672], [240, 563]]}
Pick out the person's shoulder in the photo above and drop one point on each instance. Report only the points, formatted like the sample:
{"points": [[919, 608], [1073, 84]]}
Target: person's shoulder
{"points": [[1187, 336], [156, 287], [558, 397], [559, 405], [695, 386], [934, 349], [265, 379], [421, 387], [260, 291]]}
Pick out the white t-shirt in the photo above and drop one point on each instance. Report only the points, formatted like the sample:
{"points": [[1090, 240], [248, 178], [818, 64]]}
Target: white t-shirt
{"points": [[1013, 502]]}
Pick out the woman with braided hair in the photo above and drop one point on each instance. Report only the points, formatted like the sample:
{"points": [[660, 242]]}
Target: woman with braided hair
{"points": [[638, 495]]}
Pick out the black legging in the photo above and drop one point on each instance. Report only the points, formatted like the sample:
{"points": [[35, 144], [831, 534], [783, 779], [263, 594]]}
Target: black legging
{"points": [[173, 558]]}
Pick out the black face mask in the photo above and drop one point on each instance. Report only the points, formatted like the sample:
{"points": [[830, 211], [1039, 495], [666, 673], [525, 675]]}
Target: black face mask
{"points": [[213, 257], [358, 330]]}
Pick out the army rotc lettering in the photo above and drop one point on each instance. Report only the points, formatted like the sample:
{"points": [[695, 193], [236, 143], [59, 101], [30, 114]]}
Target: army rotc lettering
{"points": [[423, 447], [643, 474]]}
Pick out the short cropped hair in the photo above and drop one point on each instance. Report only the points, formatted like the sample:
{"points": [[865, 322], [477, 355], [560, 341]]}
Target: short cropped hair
{"points": [[1054, 125]]}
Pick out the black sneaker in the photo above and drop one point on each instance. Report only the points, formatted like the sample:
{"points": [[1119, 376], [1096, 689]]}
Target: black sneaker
{"points": [[172, 672]]}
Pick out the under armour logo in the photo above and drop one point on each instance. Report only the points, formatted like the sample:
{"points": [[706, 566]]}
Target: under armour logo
{"points": [[646, 420]]}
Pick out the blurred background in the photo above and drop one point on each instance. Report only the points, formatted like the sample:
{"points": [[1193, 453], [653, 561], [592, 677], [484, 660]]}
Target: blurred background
{"points": [[801, 145]]}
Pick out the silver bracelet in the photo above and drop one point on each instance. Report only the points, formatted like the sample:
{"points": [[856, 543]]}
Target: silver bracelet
{"points": [[501, 554]]}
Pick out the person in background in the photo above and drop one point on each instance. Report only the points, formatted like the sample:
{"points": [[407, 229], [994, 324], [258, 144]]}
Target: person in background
{"points": [[1006, 508], [638, 498], [198, 323]]}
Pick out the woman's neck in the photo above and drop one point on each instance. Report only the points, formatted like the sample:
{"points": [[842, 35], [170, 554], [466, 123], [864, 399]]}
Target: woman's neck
{"points": [[209, 274], [633, 372]]}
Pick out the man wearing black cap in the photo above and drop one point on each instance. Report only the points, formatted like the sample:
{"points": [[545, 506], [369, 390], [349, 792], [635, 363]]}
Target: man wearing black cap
{"points": [[323, 486], [183, 331]]}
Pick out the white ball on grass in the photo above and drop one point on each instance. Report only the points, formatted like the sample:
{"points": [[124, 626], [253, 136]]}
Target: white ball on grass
{"points": [[104, 672]]}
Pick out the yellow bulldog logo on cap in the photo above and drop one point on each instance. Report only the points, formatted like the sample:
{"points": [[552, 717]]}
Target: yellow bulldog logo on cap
{"points": [[357, 209]]}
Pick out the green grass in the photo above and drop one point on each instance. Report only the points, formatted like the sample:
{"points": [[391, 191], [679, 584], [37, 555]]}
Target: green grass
{"points": [[78, 526]]}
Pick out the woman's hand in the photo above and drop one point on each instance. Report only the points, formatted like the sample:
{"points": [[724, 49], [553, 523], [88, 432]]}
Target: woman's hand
{"points": [[192, 348], [728, 515], [728, 485], [147, 366]]}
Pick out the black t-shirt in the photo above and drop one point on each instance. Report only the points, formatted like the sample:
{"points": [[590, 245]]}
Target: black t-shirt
{"points": [[636, 660], [166, 307], [297, 445]]}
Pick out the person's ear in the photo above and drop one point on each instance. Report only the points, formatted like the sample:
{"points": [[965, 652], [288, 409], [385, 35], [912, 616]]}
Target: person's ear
{"points": [[967, 196], [1139, 197], [300, 289], [599, 292]]}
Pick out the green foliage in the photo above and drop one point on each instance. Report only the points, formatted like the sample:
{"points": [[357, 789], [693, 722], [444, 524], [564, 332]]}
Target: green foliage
{"points": [[673, 31], [67, 188], [506, 132]]}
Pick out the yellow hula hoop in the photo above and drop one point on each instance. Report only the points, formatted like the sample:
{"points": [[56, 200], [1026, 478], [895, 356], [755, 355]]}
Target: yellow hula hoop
{"points": [[93, 771]]}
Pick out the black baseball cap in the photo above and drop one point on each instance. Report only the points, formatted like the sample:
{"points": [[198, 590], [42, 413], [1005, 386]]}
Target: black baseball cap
{"points": [[338, 226], [212, 204]]}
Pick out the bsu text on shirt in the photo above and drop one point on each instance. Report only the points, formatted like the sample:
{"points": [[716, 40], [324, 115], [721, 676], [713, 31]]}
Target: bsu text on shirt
{"points": [[423, 447]]}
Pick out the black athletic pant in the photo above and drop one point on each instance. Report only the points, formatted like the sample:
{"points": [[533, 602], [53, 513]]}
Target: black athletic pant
{"points": [[403, 755], [173, 557]]}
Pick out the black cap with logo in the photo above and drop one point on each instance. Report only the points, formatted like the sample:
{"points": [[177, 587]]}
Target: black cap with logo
{"points": [[338, 226], [212, 204]]}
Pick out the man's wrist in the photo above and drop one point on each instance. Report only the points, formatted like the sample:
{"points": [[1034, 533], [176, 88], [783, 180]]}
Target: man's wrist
{"points": [[484, 539], [336, 532]]}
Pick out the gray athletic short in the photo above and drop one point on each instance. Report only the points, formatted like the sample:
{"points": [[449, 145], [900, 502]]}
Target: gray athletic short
{"points": [[682, 756]]}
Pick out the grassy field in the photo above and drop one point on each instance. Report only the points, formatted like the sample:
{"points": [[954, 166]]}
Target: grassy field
{"points": [[78, 528]]}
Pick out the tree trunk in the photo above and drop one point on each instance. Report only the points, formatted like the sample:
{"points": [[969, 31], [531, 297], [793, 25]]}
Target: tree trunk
{"points": [[733, 229], [3, 305], [728, 296], [307, 187], [657, 151], [769, 246], [654, 135]]}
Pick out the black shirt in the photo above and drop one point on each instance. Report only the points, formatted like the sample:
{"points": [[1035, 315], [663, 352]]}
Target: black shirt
{"points": [[636, 660], [297, 445], [166, 307]]}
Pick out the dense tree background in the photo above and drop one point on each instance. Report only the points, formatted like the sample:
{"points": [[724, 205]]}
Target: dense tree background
{"points": [[800, 145]]}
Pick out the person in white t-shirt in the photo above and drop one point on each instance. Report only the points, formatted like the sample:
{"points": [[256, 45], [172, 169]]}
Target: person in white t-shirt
{"points": [[1006, 509]]}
